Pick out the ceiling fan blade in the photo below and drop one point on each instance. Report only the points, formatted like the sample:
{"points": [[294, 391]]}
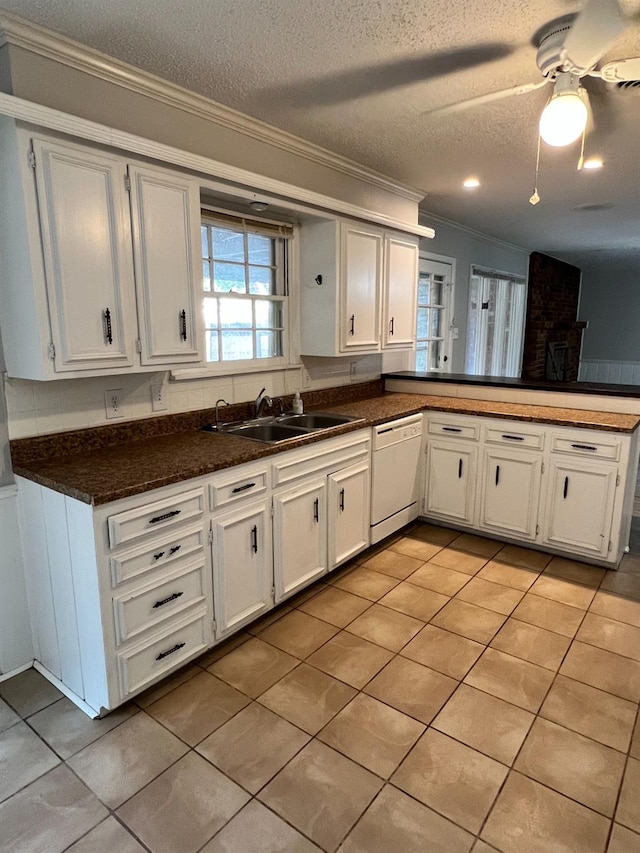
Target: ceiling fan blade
{"points": [[621, 70], [594, 30], [469, 103], [355, 83]]}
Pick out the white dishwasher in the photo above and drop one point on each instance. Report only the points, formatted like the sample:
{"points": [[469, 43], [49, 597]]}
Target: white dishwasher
{"points": [[395, 467]]}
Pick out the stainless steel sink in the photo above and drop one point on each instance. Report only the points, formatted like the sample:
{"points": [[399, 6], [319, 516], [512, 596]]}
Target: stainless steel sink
{"points": [[316, 420], [276, 429], [270, 432]]}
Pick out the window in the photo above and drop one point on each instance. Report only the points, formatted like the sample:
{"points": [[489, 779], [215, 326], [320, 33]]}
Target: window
{"points": [[434, 301], [244, 270], [496, 323]]}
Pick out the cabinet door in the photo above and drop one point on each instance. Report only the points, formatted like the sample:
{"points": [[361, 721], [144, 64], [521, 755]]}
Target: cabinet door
{"points": [[242, 566], [401, 281], [361, 267], [86, 240], [510, 492], [166, 230], [348, 511], [579, 509], [451, 481], [300, 537]]}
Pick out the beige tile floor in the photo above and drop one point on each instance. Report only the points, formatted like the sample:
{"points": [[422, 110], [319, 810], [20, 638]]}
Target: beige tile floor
{"points": [[443, 692]]}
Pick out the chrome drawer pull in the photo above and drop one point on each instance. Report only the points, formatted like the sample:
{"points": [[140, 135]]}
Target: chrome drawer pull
{"points": [[167, 600], [242, 488], [584, 447], [513, 437], [166, 654], [164, 517]]}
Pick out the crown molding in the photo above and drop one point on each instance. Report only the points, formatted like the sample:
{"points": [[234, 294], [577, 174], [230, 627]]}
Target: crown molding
{"points": [[239, 182], [32, 37], [433, 218]]}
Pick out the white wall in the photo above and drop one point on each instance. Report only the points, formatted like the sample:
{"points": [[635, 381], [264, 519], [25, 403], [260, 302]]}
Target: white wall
{"points": [[468, 248], [610, 302]]}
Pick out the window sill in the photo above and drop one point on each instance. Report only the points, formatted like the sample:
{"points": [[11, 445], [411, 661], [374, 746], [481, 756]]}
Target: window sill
{"points": [[213, 372]]}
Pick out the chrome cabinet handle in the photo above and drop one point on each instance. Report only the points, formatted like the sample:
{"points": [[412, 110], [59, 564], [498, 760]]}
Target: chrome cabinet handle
{"points": [[254, 539], [459, 469], [565, 491], [584, 447], [242, 488], [497, 474], [183, 325], [164, 517], [341, 500], [352, 324], [391, 326], [316, 510], [513, 437]]}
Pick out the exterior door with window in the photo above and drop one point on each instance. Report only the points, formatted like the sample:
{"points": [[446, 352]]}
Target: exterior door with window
{"points": [[435, 293]]}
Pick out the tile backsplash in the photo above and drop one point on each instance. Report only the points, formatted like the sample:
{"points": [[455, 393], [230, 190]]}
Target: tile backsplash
{"points": [[36, 408]]}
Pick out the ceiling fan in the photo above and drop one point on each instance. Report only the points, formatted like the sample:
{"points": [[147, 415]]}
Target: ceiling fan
{"points": [[568, 49]]}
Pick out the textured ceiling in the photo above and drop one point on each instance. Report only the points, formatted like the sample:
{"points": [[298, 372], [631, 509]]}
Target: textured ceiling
{"points": [[357, 76]]}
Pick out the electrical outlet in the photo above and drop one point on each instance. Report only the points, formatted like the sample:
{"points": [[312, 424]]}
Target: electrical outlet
{"points": [[353, 370], [113, 403], [306, 378], [159, 398]]}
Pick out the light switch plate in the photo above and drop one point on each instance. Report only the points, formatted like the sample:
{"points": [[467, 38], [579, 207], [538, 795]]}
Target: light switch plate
{"points": [[159, 397]]}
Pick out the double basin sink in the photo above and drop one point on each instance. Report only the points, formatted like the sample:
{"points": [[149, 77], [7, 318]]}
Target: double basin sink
{"points": [[275, 429]]}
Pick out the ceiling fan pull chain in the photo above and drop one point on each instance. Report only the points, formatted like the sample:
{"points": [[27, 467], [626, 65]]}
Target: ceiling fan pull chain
{"points": [[535, 198], [581, 160]]}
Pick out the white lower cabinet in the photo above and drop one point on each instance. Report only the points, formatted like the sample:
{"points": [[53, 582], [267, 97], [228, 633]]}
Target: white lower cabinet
{"points": [[300, 536], [580, 504], [242, 566], [451, 481], [510, 492], [558, 488], [348, 513]]}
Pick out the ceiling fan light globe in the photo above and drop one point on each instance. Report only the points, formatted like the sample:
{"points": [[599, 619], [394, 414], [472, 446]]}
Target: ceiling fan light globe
{"points": [[563, 120]]}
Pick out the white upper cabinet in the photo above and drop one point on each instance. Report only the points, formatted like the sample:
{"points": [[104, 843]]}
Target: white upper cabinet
{"points": [[86, 242], [358, 288], [361, 267], [69, 237], [165, 210], [400, 292]]}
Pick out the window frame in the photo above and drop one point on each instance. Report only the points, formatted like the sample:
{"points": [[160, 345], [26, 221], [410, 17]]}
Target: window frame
{"points": [[287, 299], [516, 342]]}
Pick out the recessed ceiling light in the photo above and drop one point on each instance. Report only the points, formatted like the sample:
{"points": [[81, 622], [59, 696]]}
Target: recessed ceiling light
{"points": [[592, 163], [471, 183]]}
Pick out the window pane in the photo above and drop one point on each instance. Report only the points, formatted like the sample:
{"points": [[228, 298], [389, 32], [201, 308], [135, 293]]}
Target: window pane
{"points": [[435, 351], [436, 318], [210, 313], [206, 275], [262, 281], [268, 344], [212, 346], [204, 233], [235, 313], [421, 359], [228, 278], [268, 314], [237, 345], [436, 292], [227, 245], [424, 289], [261, 249], [423, 322]]}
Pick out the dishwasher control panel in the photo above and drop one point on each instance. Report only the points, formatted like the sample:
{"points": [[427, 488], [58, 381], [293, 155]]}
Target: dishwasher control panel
{"points": [[393, 432]]}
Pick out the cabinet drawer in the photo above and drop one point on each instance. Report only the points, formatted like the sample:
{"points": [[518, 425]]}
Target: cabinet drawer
{"points": [[142, 608], [506, 437], [138, 522], [597, 445], [144, 663], [150, 557], [229, 489], [454, 428]]}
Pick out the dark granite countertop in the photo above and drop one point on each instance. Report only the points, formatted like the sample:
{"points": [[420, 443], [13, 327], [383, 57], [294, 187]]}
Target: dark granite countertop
{"points": [[604, 389], [98, 472]]}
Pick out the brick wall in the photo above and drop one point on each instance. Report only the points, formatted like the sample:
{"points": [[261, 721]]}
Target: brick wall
{"points": [[552, 309]]}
